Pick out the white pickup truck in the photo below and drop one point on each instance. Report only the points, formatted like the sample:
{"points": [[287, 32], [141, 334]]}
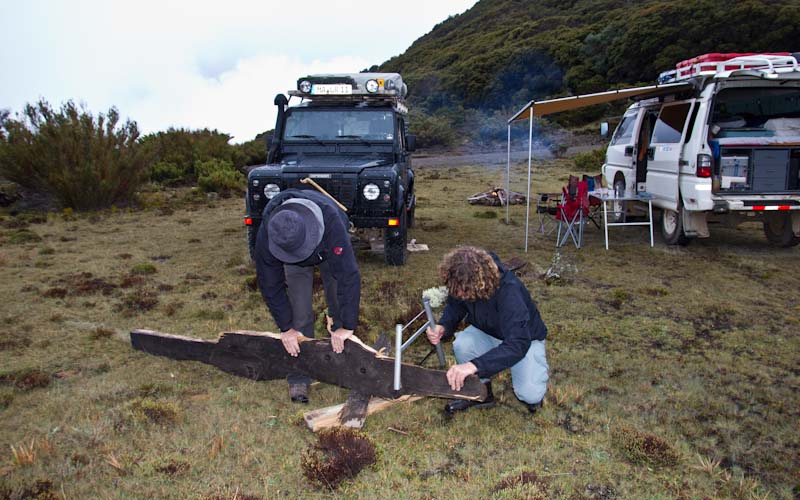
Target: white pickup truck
{"points": [[724, 148]]}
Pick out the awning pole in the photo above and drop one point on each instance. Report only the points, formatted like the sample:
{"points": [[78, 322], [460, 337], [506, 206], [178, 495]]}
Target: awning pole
{"points": [[528, 199], [508, 176]]}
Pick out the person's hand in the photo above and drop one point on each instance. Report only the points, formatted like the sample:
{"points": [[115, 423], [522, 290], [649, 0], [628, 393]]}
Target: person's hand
{"points": [[337, 339], [290, 340], [435, 334], [329, 324], [457, 373]]}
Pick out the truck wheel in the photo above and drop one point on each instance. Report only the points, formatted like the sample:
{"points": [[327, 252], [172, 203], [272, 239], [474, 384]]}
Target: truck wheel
{"points": [[778, 231], [672, 227], [394, 241], [617, 206], [411, 214], [252, 232]]}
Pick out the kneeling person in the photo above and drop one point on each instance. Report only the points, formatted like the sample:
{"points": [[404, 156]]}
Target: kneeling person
{"points": [[505, 329]]}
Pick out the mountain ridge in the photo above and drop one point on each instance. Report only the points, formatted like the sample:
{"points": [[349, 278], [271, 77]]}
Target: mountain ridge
{"points": [[500, 54]]}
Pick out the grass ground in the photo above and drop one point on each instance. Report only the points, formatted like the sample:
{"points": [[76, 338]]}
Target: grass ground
{"points": [[673, 370]]}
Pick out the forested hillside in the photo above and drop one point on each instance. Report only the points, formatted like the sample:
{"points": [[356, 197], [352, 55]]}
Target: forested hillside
{"points": [[502, 53]]}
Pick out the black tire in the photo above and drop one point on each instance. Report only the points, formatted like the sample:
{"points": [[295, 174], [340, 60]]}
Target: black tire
{"points": [[394, 241], [252, 232], [672, 227], [778, 231], [411, 214], [618, 207]]}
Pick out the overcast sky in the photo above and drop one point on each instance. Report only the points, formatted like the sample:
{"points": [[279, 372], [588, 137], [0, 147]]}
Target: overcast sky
{"points": [[196, 64]]}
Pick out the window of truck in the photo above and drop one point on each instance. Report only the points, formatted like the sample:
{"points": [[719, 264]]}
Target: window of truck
{"points": [[756, 112], [337, 125], [624, 132], [669, 126]]}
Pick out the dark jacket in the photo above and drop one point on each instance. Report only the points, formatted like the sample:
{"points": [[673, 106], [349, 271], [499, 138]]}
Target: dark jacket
{"points": [[335, 248], [509, 315]]}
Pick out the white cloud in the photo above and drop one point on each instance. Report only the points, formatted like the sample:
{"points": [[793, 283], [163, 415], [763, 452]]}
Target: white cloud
{"points": [[239, 102], [196, 64]]}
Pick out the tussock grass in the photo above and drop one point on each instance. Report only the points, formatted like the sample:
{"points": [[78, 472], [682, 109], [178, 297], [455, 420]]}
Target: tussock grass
{"points": [[339, 454], [644, 447], [146, 410], [701, 352]]}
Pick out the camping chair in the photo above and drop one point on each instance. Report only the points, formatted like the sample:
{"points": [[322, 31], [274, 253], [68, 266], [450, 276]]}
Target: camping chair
{"points": [[595, 205], [572, 214], [546, 210]]}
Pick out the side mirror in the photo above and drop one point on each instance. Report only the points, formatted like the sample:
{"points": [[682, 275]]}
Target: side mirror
{"points": [[411, 142], [604, 129]]}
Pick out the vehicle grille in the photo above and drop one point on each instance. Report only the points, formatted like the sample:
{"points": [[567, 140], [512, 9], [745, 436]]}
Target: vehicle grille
{"points": [[341, 188]]}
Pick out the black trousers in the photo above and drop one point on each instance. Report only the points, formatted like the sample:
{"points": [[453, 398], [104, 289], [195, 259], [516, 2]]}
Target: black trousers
{"points": [[300, 289]]}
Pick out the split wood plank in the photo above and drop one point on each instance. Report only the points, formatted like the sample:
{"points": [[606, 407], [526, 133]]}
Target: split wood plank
{"points": [[331, 416]]}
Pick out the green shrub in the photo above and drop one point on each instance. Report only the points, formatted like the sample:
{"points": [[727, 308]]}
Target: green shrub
{"points": [[165, 172], [432, 130], [219, 176], [82, 162], [590, 161]]}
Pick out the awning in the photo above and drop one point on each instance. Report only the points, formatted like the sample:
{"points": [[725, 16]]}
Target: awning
{"points": [[550, 106]]}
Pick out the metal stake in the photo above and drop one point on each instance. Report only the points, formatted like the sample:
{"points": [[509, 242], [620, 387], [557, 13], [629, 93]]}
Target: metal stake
{"points": [[426, 303], [398, 351]]}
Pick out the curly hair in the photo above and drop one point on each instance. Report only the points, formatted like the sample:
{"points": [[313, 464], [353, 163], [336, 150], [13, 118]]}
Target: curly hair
{"points": [[469, 273]]}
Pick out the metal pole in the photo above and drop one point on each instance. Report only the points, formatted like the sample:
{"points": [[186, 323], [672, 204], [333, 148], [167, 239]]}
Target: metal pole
{"points": [[398, 351], [528, 199], [508, 177], [426, 302]]}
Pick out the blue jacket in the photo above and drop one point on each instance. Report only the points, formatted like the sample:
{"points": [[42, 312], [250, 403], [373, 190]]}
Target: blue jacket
{"points": [[335, 248], [509, 315]]}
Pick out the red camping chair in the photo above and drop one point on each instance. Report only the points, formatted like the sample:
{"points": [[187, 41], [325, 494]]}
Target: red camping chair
{"points": [[572, 213]]}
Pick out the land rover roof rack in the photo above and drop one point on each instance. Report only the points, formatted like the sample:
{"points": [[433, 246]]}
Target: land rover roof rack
{"points": [[715, 64], [350, 86]]}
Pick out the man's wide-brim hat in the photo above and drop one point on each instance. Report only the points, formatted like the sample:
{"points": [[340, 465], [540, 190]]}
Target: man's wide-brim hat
{"points": [[295, 230]]}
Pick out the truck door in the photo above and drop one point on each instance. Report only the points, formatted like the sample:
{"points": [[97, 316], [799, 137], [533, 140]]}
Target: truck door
{"points": [[620, 153], [664, 154]]}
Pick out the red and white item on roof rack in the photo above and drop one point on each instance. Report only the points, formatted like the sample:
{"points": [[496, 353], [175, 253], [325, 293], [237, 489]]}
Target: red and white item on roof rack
{"points": [[714, 63]]}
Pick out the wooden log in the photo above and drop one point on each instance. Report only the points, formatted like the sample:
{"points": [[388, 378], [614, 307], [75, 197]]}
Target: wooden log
{"points": [[331, 416], [261, 356]]}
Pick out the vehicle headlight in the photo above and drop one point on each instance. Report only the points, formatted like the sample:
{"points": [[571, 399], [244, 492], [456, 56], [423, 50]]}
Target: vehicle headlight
{"points": [[304, 86], [372, 86], [270, 190], [371, 191]]}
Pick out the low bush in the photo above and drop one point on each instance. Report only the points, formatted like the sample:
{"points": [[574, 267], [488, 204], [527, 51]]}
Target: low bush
{"points": [[590, 161], [219, 176], [82, 162]]}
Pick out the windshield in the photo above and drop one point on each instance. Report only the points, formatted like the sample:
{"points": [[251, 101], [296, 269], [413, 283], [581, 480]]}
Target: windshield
{"points": [[334, 125]]}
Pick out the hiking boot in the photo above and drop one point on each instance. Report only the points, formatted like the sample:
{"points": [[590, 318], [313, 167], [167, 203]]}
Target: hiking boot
{"points": [[298, 393], [533, 407], [464, 404]]}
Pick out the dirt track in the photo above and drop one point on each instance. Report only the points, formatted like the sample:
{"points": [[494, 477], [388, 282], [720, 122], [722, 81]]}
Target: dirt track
{"points": [[492, 158]]}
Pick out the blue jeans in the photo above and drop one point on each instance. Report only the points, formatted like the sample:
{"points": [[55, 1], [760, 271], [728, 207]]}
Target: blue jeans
{"points": [[529, 376]]}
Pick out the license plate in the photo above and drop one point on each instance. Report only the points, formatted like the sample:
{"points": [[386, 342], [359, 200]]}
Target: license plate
{"points": [[332, 89]]}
